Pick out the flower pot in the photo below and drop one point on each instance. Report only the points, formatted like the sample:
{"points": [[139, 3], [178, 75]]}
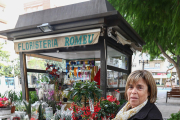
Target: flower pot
{"points": [[65, 99], [13, 109], [16, 118]]}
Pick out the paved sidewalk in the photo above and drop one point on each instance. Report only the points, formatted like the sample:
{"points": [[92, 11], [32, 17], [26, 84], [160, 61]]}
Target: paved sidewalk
{"points": [[172, 105]]}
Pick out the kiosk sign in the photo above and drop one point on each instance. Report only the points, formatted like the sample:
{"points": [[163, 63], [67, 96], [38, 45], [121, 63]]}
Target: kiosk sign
{"points": [[56, 42]]}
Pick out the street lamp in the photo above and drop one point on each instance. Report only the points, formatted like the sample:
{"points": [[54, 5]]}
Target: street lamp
{"points": [[13, 72], [7, 81], [14, 77], [143, 61]]}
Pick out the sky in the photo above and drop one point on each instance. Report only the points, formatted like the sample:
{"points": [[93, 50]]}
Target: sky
{"points": [[14, 8]]}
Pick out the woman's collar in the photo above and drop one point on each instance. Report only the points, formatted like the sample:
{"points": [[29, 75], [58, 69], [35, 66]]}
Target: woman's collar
{"points": [[144, 111]]}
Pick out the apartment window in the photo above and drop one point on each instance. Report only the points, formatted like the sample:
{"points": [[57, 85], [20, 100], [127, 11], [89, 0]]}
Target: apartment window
{"points": [[157, 65]]}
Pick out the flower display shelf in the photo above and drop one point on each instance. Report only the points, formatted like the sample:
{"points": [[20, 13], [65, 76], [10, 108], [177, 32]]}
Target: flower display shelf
{"points": [[5, 111], [7, 116]]}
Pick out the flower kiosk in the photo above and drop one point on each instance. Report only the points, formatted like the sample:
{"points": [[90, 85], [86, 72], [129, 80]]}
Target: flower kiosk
{"points": [[94, 40]]}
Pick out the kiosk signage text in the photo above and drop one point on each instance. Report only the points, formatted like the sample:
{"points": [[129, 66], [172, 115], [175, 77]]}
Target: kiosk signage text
{"points": [[56, 42]]}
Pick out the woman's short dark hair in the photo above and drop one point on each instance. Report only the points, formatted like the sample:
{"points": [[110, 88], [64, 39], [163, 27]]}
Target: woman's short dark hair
{"points": [[148, 79]]}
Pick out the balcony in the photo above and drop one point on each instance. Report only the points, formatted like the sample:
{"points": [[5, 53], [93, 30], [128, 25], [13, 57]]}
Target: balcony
{"points": [[152, 68], [159, 76]]}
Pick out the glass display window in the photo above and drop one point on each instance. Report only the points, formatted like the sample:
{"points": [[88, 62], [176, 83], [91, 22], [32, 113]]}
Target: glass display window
{"points": [[35, 78], [116, 79], [116, 58], [122, 78], [41, 64], [112, 79], [81, 69]]}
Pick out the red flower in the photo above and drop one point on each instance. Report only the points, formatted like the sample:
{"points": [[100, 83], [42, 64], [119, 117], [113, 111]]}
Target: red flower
{"points": [[117, 102], [117, 90], [33, 119], [111, 98], [1, 105]]}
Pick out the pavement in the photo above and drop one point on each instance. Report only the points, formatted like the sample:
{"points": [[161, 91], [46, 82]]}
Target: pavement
{"points": [[172, 105]]}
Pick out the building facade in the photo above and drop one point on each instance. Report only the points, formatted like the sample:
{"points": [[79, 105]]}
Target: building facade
{"points": [[3, 21], [157, 67], [36, 5]]}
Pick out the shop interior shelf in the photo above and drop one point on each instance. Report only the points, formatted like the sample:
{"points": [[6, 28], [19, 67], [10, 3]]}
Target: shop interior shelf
{"points": [[81, 70], [81, 65]]}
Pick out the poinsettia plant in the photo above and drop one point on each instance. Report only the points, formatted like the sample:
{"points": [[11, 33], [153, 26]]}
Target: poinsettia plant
{"points": [[104, 108], [113, 99], [109, 108], [85, 113]]}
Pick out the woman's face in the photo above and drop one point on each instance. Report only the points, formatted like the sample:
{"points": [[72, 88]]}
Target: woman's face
{"points": [[137, 93]]}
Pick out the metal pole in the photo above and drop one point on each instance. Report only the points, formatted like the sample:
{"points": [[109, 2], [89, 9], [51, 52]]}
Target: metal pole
{"points": [[143, 65], [8, 82], [13, 76]]}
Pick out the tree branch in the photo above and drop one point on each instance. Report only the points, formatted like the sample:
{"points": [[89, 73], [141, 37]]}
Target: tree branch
{"points": [[169, 69], [170, 51], [178, 60], [164, 53]]}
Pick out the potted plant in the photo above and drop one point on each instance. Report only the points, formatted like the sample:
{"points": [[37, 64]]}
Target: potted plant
{"points": [[65, 96], [28, 108], [109, 108], [12, 97], [40, 117], [84, 90]]}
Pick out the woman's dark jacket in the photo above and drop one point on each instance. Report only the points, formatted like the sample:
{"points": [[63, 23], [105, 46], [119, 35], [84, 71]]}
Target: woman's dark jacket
{"points": [[148, 112]]}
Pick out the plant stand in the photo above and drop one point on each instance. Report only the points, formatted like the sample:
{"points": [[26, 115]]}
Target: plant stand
{"points": [[7, 116]]}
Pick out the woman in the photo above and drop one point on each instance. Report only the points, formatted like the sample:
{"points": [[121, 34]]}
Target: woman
{"points": [[141, 93]]}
